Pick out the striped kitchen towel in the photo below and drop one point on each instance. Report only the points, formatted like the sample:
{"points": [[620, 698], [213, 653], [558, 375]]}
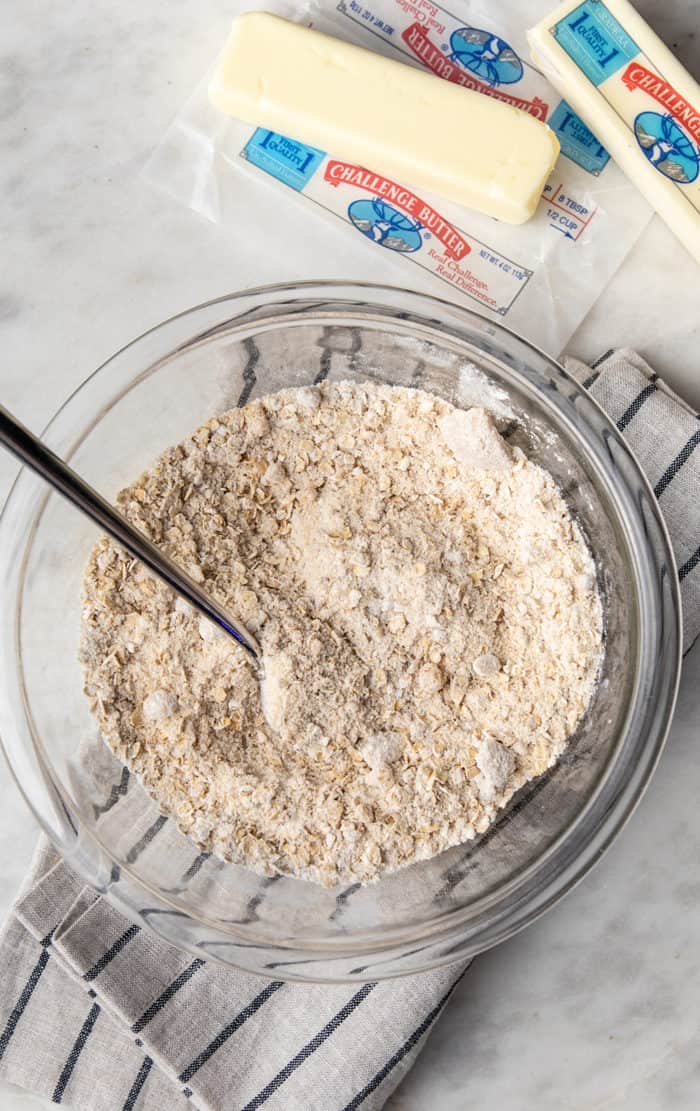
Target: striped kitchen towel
{"points": [[664, 433], [101, 1015]]}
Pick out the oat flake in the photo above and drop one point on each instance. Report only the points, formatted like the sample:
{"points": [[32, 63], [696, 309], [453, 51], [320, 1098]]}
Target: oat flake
{"points": [[427, 610]]}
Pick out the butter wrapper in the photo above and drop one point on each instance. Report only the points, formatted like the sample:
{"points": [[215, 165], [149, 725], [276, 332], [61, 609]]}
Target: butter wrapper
{"points": [[628, 84]]}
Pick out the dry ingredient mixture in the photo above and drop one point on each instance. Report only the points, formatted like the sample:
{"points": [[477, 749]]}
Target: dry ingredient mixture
{"points": [[427, 609]]}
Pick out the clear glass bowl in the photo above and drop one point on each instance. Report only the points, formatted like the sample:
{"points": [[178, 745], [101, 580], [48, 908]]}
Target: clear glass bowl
{"points": [[149, 396]]}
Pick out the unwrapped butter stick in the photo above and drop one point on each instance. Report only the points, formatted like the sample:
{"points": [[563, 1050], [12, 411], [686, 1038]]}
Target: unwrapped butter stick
{"points": [[389, 117], [636, 98]]}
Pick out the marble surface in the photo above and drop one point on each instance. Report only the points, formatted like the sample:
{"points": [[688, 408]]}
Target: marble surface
{"points": [[596, 1006]]}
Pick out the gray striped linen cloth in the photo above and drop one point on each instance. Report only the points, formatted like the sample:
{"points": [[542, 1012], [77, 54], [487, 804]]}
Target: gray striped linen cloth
{"points": [[100, 1015]]}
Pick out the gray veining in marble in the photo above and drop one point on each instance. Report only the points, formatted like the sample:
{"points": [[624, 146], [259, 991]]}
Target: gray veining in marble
{"points": [[597, 1005]]}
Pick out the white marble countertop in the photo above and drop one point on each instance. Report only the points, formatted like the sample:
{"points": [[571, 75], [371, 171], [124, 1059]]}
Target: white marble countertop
{"points": [[597, 1005]]}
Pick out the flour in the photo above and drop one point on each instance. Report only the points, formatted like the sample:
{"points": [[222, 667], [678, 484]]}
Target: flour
{"points": [[427, 612]]}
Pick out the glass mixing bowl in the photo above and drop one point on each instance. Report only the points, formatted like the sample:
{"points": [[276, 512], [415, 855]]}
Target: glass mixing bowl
{"points": [[149, 396]]}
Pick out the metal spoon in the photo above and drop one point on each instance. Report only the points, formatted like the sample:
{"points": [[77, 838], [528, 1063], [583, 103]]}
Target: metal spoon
{"points": [[30, 450]]}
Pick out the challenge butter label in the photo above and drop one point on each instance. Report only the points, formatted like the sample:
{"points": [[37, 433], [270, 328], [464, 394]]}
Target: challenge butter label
{"points": [[393, 217], [665, 125]]}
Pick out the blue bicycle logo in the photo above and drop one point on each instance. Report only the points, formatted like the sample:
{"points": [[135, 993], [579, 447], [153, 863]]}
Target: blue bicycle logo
{"points": [[485, 55], [386, 226], [667, 147]]}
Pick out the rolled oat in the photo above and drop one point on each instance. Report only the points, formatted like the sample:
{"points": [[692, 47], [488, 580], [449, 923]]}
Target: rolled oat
{"points": [[427, 609]]}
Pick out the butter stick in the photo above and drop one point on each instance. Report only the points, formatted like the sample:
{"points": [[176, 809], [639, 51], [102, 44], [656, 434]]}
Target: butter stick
{"points": [[635, 96], [391, 118]]}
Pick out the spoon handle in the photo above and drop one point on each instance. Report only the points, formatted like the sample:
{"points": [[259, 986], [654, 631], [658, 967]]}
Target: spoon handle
{"points": [[31, 451]]}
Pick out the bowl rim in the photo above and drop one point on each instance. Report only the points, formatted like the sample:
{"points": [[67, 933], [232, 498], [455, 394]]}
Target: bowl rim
{"points": [[442, 944]]}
